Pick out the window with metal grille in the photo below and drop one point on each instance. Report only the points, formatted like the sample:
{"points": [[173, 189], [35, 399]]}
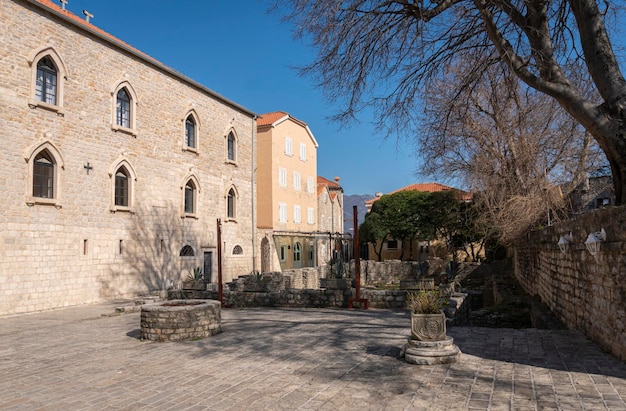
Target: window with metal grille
{"points": [[190, 132], [231, 204], [122, 112], [46, 83], [187, 251], [231, 146], [190, 194], [121, 187], [43, 175]]}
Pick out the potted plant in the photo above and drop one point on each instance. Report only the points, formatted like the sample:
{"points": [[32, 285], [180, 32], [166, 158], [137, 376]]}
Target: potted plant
{"points": [[194, 280], [428, 322]]}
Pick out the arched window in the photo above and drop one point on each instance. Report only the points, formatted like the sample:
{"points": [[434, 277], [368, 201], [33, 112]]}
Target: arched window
{"points": [[230, 204], [187, 251], [122, 187], [232, 147], [122, 108], [190, 132], [43, 175], [297, 252], [190, 197], [237, 250], [46, 81]]}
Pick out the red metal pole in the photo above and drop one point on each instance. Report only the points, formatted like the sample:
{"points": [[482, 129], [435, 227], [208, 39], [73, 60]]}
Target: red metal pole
{"points": [[219, 261], [356, 253]]}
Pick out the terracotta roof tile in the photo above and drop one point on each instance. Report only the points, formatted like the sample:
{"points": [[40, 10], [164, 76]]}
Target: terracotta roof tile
{"points": [[81, 22], [270, 118], [49, 4], [322, 180], [428, 188]]}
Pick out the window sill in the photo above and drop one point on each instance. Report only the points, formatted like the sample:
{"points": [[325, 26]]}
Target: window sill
{"points": [[191, 150], [122, 209], [33, 201], [46, 106], [189, 215], [125, 130], [231, 162], [230, 220]]}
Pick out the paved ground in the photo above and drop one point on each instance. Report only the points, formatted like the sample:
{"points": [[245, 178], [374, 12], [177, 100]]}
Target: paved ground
{"points": [[294, 359]]}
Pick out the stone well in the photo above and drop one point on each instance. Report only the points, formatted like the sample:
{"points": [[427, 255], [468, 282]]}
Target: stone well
{"points": [[180, 320]]}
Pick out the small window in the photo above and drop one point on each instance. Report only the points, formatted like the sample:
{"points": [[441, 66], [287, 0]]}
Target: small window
{"points": [[309, 185], [297, 214], [231, 203], [282, 177], [46, 81], [190, 197], [190, 132], [231, 147], [392, 245], [282, 212], [310, 215], [122, 110], [237, 250], [283, 253], [43, 175], [187, 251], [288, 147], [297, 252], [311, 252], [121, 187], [302, 152], [296, 181]]}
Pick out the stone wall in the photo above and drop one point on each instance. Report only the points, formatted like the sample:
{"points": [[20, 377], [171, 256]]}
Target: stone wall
{"points": [[394, 271], [587, 293], [457, 310], [78, 247]]}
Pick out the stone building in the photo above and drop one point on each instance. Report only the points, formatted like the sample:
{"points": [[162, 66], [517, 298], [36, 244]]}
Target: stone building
{"points": [[332, 242], [117, 167]]}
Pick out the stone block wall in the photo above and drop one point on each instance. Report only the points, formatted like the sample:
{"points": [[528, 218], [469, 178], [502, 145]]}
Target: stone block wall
{"points": [[77, 247], [457, 310], [585, 292]]}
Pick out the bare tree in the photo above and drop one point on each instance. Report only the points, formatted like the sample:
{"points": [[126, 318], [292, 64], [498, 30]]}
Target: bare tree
{"points": [[515, 147], [380, 53]]}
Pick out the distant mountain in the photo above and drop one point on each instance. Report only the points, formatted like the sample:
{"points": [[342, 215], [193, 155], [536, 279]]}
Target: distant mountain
{"points": [[349, 201]]}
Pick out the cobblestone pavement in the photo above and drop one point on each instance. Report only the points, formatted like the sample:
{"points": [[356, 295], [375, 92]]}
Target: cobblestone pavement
{"points": [[294, 359]]}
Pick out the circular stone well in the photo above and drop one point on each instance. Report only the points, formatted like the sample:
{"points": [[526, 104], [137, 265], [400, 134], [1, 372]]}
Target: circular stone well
{"points": [[180, 320]]}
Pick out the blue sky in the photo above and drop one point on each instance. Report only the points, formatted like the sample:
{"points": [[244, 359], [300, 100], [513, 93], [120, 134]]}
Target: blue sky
{"points": [[240, 51]]}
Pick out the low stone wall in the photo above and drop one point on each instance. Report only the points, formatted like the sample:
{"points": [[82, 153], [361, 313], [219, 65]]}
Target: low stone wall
{"points": [[458, 309], [587, 293]]}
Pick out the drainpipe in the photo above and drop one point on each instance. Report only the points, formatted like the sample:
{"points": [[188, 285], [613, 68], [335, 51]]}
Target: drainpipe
{"points": [[252, 191]]}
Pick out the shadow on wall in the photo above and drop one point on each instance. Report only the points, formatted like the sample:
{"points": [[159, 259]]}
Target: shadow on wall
{"points": [[150, 260]]}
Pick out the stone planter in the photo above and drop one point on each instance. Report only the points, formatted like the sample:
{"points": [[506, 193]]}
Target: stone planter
{"points": [[428, 343], [336, 283], [428, 327], [194, 285]]}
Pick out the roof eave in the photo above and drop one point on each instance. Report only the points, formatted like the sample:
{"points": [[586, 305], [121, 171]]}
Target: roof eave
{"points": [[145, 58]]}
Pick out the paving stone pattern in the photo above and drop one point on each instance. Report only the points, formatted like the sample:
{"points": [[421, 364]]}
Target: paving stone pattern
{"points": [[294, 359]]}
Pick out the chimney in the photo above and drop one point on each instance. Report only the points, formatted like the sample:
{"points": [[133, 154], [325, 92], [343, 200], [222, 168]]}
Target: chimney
{"points": [[378, 195], [337, 179]]}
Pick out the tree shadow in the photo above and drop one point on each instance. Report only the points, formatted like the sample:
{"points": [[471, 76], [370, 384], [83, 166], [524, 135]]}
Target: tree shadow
{"points": [[150, 261]]}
